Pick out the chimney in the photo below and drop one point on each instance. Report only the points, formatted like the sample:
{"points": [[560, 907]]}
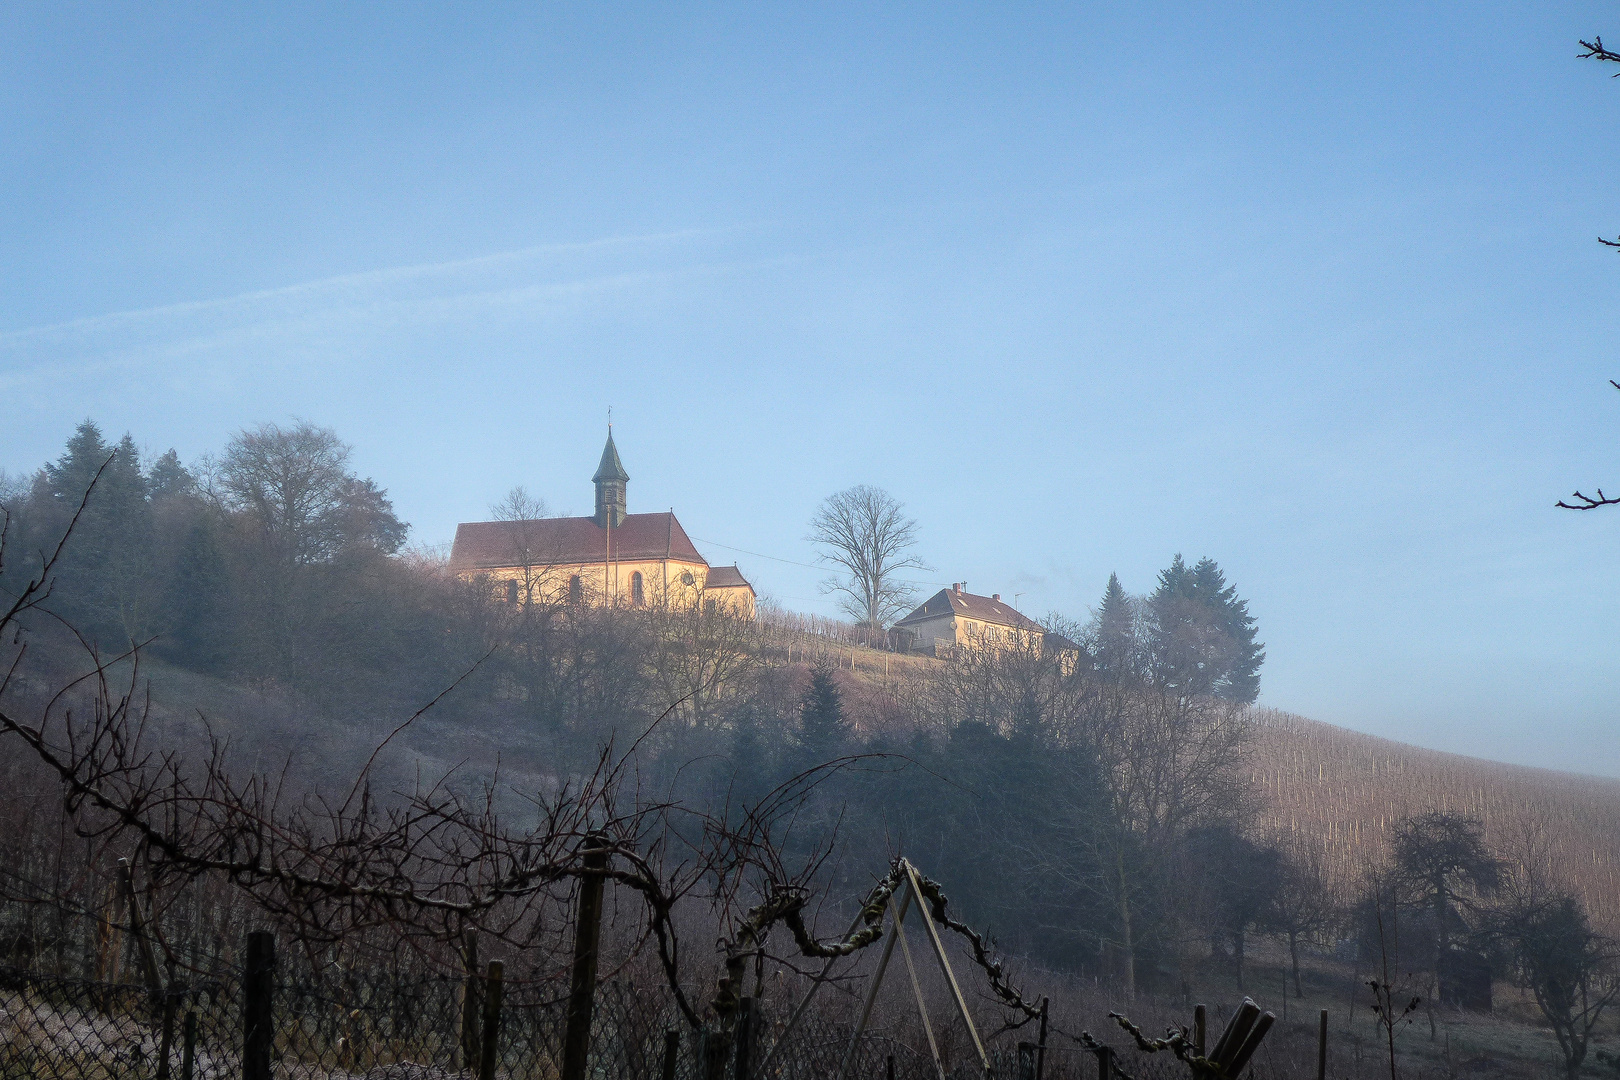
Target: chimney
{"points": [[956, 586], [996, 597]]}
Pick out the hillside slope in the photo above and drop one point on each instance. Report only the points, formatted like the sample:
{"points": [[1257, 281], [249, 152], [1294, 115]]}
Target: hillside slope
{"points": [[1348, 789]]}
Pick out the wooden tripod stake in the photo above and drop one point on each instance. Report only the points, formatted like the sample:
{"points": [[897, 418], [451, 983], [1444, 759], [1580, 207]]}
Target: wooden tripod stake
{"points": [[901, 901]]}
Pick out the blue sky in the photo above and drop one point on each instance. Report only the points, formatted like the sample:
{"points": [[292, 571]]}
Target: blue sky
{"points": [[1310, 289]]}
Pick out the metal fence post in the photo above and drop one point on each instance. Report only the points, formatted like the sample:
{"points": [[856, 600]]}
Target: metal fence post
{"points": [[672, 1051], [587, 935], [258, 988], [171, 999], [471, 1044], [1105, 1063], [1321, 1048], [188, 1054], [1040, 1048], [492, 1022]]}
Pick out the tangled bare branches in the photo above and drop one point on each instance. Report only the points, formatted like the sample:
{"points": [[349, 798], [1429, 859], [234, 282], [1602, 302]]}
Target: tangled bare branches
{"points": [[426, 864]]}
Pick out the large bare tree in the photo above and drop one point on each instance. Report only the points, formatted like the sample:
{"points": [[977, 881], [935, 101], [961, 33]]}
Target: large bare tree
{"points": [[864, 532], [1579, 500], [294, 484], [528, 551]]}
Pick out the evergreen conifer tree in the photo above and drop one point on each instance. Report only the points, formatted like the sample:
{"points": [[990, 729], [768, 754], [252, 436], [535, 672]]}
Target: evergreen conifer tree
{"points": [[103, 586], [822, 727], [1115, 632], [1203, 636], [168, 477]]}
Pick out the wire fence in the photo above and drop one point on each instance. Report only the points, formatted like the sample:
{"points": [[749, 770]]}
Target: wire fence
{"points": [[383, 1027]]}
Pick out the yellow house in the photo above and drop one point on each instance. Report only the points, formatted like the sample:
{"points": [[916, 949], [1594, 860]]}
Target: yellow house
{"points": [[611, 557], [954, 618]]}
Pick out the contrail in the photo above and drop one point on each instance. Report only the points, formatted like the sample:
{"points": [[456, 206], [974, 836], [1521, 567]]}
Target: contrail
{"points": [[367, 279]]}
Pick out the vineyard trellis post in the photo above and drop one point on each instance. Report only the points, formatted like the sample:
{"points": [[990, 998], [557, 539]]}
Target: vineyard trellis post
{"points": [[587, 937], [1040, 1046], [188, 1052], [1321, 1047], [470, 1043], [672, 1052], [258, 990], [143, 944], [491, 1049], [171, 1002]]}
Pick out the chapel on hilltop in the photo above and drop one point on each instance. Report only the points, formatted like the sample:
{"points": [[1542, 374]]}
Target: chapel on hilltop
{"points": [[612, 557]]}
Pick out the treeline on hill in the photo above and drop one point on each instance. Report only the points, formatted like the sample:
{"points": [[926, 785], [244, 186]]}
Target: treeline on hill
{"points": [[272, 565], [1095, 810]]}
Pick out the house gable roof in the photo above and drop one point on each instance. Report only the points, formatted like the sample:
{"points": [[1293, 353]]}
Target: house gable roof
{"points": [[726, 577], [985, 609], [494, 545]]}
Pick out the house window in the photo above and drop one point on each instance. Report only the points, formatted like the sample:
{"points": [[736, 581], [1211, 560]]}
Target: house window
{"points": [[576, 589], [638, 595], [512, 591], [688, 579]]}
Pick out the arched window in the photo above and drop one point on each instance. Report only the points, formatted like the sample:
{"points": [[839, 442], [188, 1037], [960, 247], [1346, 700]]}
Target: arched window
{"points": [[576, 589], [512, 591], [638, 595]]}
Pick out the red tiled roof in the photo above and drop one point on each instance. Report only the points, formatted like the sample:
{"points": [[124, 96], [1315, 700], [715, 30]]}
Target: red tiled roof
{"points": [[983, 608], [488, 545], [726, 577]]}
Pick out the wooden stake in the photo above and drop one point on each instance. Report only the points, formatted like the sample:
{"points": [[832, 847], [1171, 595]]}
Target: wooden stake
{"points": [[143, 944], [916, 989], [945, 965], [877, 981], [471, 984], [587, 936]]}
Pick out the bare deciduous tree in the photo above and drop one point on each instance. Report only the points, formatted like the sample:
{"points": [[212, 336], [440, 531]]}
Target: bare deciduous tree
{"points": [[529, 553], [295, 484], [1578, 500], [863, 531]]}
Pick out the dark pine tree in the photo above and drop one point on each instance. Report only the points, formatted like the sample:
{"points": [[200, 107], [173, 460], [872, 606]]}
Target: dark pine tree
{"points": [[823, 731], [1116, 632], [1203, 637], [103, 587]]}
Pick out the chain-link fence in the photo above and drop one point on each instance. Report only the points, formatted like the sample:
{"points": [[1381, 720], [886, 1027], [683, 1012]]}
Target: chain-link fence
{"points": [[357, 1024]]}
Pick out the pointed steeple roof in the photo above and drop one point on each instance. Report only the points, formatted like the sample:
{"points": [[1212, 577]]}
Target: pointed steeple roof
{"points": [[611, 467]]}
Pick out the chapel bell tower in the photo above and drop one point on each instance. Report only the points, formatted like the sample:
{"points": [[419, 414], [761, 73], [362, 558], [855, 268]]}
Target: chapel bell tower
{"points": [[610, 480]]}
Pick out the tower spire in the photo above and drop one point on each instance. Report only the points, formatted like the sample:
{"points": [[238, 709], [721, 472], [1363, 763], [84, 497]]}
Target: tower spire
{"points": [[610, 481]]}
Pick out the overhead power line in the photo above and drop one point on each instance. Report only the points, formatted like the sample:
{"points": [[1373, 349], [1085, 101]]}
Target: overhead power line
{"points": [[792, 562]]}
